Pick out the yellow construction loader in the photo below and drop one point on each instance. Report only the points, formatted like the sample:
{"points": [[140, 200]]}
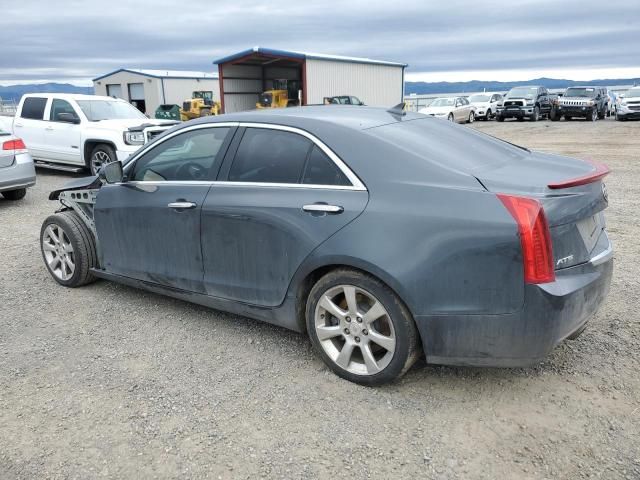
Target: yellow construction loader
{"points": [[273, 99], [201, 104]]}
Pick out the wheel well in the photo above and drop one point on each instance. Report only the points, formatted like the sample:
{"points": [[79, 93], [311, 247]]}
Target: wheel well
{"points": [[310, 280], [89, 145]]}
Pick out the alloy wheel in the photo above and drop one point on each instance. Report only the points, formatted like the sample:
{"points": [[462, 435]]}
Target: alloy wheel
{"points": [[98, 159], [472, 117], [355, 330], [450, 117], [58, 252]]}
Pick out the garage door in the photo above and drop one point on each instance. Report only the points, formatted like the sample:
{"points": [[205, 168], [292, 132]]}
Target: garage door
{"points": [[136, 91], [114, 90]]}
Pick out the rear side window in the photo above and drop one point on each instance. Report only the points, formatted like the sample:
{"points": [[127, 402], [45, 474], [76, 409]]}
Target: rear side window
{"points": [[270, 156], [321, 170], [33, 108]]}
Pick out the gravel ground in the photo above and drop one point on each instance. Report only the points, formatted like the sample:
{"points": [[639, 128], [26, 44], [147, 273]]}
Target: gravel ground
{"points": [[108, 381]]}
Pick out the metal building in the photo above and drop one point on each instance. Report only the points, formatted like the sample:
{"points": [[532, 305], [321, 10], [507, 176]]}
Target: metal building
{"points": [[309, 77], [147, 89]]}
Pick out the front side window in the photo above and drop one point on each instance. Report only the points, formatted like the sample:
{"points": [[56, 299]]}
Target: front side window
{"points": [[270, 156], [190, 156], [33, 108], [60, 106]]}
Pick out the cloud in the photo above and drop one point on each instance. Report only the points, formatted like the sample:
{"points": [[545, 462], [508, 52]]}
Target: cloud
{"points": [[75, 41]]}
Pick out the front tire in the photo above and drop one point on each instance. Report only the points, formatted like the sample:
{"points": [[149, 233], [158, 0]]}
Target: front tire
{"points": [[15, 194], [471, 118], [101, 155], [594, 115], [68, 249], [363, 332], [450, 117], [536, 114], [499, 118]]}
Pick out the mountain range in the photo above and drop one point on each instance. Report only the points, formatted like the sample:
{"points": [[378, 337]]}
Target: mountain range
{"points": [[14, 92], [426, 88]]}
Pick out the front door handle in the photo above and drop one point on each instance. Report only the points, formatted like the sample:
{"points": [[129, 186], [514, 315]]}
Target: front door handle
{"points": [[323, 208], [182, 205]]}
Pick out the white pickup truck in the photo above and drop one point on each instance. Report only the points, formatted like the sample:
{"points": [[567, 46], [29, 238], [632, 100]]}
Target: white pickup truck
{"points": [[74, 132]]}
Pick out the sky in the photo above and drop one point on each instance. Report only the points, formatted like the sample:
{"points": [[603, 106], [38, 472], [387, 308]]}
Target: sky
{"points": [[454, 40]]}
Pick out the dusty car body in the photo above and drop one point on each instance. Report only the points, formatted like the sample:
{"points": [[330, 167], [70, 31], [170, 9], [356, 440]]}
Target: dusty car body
{"points": [[394, 233]]}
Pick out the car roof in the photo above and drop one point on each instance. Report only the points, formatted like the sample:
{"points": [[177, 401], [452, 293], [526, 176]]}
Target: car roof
{"points": [[355, 117]]}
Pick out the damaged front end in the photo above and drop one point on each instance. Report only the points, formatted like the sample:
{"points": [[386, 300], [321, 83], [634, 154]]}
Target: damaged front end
{"points": [[80, 196]]}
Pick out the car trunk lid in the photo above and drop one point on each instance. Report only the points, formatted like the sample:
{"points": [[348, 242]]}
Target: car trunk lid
{"points": [[572, 194]]}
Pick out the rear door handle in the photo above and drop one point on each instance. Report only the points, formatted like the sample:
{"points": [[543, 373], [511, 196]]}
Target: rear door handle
{"points": [[182, 205], [323, 208]]}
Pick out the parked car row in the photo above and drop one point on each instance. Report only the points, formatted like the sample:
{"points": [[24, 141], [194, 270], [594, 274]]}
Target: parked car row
{"points": [[536, 102]]}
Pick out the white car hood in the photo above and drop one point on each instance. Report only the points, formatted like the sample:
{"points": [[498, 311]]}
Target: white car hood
{"points": [[125, 124]]}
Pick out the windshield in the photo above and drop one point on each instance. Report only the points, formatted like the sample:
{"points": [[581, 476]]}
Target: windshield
{"points": [[97, 110], [479, 98], [633, 92], [580, 92], [523, 92], [443, 102]]}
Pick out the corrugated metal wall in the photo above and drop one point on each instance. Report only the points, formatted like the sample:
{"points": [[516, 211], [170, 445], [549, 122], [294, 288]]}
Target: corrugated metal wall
{"points": [[239, 82], [177, 90], [375, 85]]}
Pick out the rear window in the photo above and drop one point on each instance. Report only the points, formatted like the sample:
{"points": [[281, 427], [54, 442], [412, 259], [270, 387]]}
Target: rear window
{"points": [[434, 139], [33, 108]]}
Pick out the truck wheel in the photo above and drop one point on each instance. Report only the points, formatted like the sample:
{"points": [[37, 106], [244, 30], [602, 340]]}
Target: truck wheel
{"points": [[15, 194], [536, 114], [100, 155], [500, 118], [360, 328], [594, 115], [602, 114], [205, 112], [68, 249], [471, 118]]}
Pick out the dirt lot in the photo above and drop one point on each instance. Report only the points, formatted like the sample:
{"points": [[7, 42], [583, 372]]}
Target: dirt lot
{"points": [[108, 381]]}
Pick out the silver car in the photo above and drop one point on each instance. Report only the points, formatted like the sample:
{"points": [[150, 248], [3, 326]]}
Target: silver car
{"points": [[454, 109], [17, 171]]}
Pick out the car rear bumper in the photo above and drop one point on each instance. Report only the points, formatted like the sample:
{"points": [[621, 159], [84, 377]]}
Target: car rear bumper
{"points": [[551, 313], [20, 174]]}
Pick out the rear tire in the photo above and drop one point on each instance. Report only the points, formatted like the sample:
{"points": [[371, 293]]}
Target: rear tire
{"points": [[15, 194], [359, 345], [101, 155], [68, 249], [450, 117], [500, 118], [594, 115]]}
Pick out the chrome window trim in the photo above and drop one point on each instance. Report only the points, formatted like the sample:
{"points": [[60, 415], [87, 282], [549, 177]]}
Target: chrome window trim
{"points": [[238, 184], [356, 183]]}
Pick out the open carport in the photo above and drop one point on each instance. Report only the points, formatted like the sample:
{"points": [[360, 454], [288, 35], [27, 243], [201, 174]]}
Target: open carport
{"points": [[308, 77]]}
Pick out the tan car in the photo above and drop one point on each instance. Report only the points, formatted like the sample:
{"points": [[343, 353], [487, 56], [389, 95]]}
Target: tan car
{"points": [[454, 109]]}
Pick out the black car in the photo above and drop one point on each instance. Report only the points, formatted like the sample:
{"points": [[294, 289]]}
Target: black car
{"points": [[525, 102], [590, 103]]}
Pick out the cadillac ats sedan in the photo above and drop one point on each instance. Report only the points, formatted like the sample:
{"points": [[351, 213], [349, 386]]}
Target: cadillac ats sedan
{"points": [[382, 235]]}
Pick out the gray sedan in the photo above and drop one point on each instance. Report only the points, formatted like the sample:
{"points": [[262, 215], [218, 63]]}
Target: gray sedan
{"points": [[17, 171], [382, 234]]}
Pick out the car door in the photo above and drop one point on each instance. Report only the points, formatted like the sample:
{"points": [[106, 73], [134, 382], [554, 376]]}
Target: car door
{"points": [[30, 125], [148, 226], [280, 194], [62, 132]]}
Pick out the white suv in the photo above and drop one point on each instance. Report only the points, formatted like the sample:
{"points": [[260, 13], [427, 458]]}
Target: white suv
{"points": [[486, 104], [71, 132]]}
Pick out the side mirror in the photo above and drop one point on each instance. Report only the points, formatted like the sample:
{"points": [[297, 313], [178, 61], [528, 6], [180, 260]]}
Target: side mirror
{"points": [[68, 118], [111, 172]]}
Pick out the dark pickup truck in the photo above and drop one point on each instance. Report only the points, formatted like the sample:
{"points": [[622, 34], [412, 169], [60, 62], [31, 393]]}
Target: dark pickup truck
{"points": [[525, 102]]}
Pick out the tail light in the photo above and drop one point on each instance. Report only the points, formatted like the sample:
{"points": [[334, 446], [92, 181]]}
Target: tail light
{"points": [[16, 144], [601, 170], [535, 237]]}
